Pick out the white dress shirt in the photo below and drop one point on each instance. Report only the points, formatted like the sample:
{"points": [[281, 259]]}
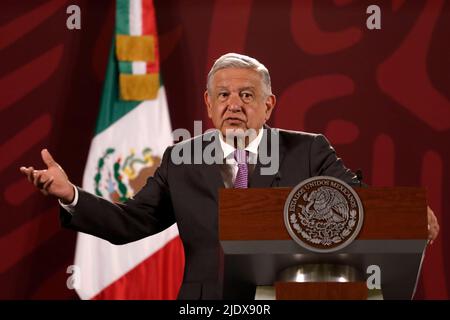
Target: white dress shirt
{"points": [[228, 152]]}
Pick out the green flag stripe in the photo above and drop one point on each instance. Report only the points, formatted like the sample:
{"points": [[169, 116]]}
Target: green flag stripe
{"points": [[125, 67], [111, 107], [123, 17]]}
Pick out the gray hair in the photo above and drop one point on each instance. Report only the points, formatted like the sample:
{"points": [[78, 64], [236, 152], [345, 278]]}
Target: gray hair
{"points": [[235, 60]]}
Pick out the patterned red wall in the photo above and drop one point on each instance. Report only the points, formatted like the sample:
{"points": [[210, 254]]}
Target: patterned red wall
{"points": [[381, 96]]}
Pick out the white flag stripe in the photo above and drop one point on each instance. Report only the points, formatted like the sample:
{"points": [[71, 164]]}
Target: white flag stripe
{"points": [[139, 67], [120, 259], [135, 17], [157, 129], [100, 262]]}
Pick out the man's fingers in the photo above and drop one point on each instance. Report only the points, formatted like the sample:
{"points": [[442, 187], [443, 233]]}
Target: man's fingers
{"points": [[36, 178], [30, 172], [433, 225], [48, 183], [40, 177], [25, 171], [435, 220], [435, 231], [47, 158]]}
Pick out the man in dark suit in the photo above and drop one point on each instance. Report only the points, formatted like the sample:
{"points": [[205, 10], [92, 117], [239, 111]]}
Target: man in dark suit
{"points": [[238, 100]]}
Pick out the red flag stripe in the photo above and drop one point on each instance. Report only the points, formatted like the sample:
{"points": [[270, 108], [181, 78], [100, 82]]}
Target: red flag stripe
{"points": [[156, 278], [149, 27]]}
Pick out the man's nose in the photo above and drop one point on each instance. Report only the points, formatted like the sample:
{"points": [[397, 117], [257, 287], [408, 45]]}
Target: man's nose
{"points": [[235, 103]]}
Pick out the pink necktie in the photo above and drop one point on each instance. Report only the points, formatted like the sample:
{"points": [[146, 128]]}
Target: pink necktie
{"points": [[241, 180]]}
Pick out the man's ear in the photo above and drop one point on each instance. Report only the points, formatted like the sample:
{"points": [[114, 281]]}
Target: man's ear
{"points": [[271, 100], [208, 104]]}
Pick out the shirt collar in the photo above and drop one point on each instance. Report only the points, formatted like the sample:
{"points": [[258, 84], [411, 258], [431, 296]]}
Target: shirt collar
{"points": [[251, 148]]}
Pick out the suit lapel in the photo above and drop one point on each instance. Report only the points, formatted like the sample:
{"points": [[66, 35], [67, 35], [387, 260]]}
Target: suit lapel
{"points": [[211, 172], [257, 180]]}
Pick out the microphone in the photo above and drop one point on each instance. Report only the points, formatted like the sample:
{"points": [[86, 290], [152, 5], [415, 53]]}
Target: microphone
{"points": [[359, 176], [277, 179]]}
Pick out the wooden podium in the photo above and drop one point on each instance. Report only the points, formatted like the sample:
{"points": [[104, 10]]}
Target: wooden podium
{"points": [[257, 246]]}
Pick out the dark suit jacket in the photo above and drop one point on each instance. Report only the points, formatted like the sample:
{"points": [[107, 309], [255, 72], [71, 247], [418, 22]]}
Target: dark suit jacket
{"points": [[187, 194]]}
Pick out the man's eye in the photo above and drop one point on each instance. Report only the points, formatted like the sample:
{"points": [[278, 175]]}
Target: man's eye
{"points": [[223, 94], [246, 95]]}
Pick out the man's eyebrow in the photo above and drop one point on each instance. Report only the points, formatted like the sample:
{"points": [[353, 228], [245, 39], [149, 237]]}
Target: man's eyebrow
{"points": [[240, 89]]}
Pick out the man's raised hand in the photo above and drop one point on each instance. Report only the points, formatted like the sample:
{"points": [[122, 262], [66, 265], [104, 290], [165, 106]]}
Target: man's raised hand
{"points": [[51, 181]]}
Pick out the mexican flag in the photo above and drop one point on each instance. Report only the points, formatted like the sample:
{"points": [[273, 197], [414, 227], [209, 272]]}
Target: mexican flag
{"points": [[133, 130]]}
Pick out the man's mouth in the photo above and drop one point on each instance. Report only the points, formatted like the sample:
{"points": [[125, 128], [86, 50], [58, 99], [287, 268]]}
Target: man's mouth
{"points": [[233, 120]]}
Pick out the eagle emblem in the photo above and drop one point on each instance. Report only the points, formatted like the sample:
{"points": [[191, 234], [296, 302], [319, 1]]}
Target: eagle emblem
{"points": [[323, 214]]}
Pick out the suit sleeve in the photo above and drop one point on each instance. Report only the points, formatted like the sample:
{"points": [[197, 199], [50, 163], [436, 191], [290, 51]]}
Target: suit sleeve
{"points": [[148, 212], [324, 162]]}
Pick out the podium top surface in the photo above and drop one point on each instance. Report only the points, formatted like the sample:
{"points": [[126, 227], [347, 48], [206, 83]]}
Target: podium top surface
{"points": [[394, 213]]}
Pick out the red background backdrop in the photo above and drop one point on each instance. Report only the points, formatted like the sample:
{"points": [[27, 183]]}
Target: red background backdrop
{"points": [[380, 96]]}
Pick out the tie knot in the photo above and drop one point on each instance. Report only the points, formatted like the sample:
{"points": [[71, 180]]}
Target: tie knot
{"points": [[240, 155]]}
